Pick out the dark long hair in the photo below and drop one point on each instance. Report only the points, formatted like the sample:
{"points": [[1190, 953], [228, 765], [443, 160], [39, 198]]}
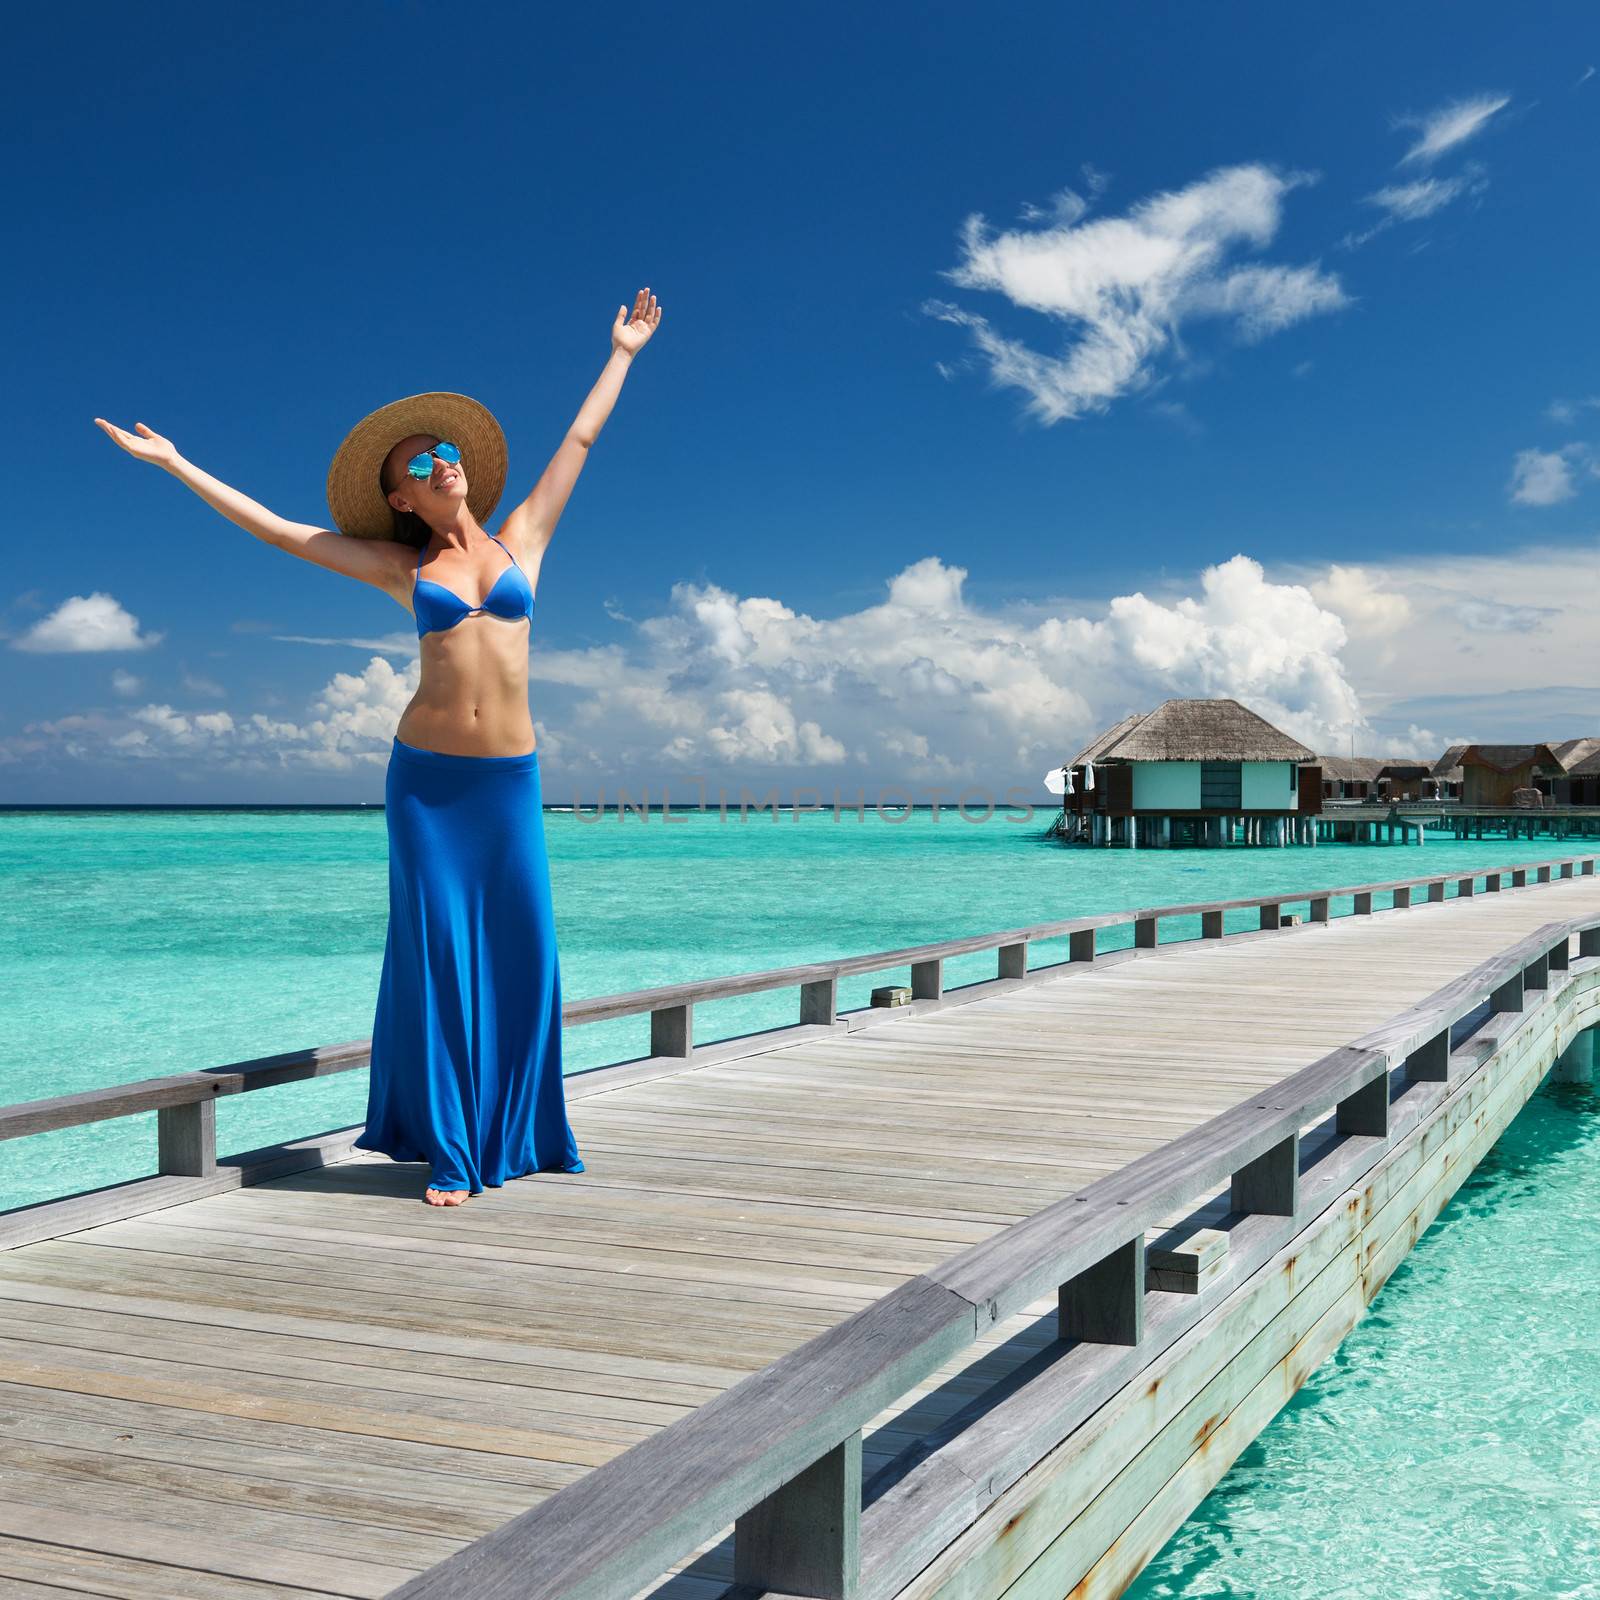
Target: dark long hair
{"points": [[409, 528]]}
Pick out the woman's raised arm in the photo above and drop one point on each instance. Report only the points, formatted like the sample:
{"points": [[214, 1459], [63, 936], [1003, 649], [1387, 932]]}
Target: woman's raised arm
{"points": [[531, 524], [375, 561]]}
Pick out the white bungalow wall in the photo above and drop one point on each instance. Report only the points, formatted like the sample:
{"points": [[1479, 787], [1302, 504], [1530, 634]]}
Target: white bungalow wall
{"points": [[1168, 786], [1271, 786]]}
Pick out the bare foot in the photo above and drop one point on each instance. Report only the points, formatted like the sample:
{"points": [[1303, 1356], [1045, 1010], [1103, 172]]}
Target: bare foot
{"points": [[445, 1197]]}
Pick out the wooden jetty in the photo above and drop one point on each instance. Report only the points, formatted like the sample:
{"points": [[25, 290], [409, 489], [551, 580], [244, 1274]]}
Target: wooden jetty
{"points": [[1409, 822], [974, 1297]]}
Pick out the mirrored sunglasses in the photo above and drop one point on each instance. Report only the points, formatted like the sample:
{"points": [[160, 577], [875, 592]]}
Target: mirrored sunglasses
{"points": [[422, 466]]}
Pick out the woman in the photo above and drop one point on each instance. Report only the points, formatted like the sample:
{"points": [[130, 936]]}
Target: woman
{"points": [[466, 1041]]}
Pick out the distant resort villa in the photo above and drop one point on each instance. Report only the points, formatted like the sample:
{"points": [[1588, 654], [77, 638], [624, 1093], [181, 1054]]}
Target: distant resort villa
{"points": [[1214, 773]]}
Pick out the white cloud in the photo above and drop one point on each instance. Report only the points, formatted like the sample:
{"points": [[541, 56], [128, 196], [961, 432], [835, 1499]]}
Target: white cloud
{"points": [[198, 683], [124, 682], [926, 686], [921, 686], [1568, 411], [1541, 478], [1366, 609], [1411, 202], [1450, 125], [86, 623], [1497, 646], [1124, 286]]}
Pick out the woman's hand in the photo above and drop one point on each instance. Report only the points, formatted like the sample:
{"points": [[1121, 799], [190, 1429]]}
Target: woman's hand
{"points": [[147, 444], [630, 333]]}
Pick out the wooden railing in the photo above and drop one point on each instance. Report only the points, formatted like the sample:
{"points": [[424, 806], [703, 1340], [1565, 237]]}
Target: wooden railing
{"points": [[778, 1456], [185, 1103]]}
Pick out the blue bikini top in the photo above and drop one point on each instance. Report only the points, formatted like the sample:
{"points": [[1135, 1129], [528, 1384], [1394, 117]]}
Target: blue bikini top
{"points": [[438, 608]]}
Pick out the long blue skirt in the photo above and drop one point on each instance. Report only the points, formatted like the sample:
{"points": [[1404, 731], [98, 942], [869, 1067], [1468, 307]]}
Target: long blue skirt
{"points": [[466, 1043]]}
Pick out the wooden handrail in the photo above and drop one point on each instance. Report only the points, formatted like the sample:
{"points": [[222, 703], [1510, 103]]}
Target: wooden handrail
{"points": [[670, 1006], [773, 1455]]}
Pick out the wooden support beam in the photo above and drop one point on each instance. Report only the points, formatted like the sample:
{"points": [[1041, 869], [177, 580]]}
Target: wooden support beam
{"points": [[1536, 975], [1402, 897], [1466, 886], [1105, 1303], [1014, 960], [1271, 1183], [186, 1140], [1560, 956], [1491, 882], [1544, 874], [1210, 924], [1144, 932], [1364, 904], [1519, 878], [819, 1002], [1319, 908], [672, 1031], [1589, 942], [1081, 945], [806, 1538], [1436, 891], [927, 980], [1271, 915]]}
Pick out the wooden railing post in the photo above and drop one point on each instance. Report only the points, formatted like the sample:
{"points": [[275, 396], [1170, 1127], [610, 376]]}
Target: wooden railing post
{"points": [[672, 1031], [1466, 886], [186, 1140], [1436, 892], [927, 980], [1081, 945], [1430, 1062], [1014, 960], [1508, 997], [1536, 975], [1491, 882], [1589, 941], [1319, 908], [1402, 897], [1271, 914], [1104, 1304], [1519, 878], [1145, 930], [1544, 874], [1560, 956], [1366, 1111], [1210, 924], [1566, 869], [1363, 904], [805, 1539], [1271, 1183], [819, 1002]]}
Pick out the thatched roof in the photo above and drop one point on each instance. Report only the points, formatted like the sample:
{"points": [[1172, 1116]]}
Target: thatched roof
{"points": [[1368, 769], [1575, 753], [1502, 757], [1351, 769], [1194, 730], [1448, 765]]}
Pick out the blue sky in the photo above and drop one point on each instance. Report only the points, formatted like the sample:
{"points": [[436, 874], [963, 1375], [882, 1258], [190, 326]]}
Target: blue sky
{"points": [[1019, 367]]}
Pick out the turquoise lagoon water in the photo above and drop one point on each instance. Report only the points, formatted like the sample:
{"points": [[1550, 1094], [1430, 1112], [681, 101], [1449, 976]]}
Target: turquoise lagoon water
{"points": [[1447, 1450], [139, 943], [1450, 1448]]}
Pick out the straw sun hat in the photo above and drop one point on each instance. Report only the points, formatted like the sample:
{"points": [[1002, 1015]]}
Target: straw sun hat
{"points": [[355, 495]]}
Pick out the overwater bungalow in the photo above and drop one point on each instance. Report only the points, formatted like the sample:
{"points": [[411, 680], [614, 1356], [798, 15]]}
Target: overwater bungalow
{"points": [[1565, 772], [1192, 772], [1384, 778]]}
